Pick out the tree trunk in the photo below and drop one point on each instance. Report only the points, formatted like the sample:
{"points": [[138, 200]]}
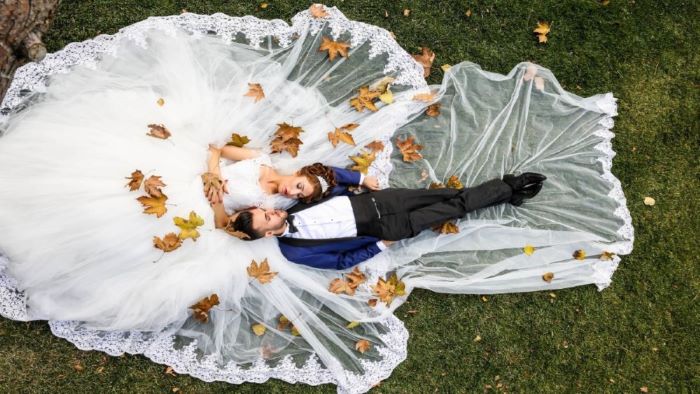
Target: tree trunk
{"points": [[22, 24]]}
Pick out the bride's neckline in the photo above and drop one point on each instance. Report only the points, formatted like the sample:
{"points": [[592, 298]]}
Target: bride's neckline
{"points": [[266, 185]]}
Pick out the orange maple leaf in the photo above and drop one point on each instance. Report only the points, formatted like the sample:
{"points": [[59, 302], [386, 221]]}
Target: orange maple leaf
{"points": [[202, 307], [261, 272], [255, 91], [334, 48], [409, 149]]}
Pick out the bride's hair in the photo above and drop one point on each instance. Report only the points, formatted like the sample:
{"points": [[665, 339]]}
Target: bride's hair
{"points": [[311, 172]]}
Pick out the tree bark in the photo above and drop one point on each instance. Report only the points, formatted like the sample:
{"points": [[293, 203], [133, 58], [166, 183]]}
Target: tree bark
{"points": [[22, 24]]}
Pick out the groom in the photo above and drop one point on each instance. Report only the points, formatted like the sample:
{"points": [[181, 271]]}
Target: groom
{"points": [[343, 231]]}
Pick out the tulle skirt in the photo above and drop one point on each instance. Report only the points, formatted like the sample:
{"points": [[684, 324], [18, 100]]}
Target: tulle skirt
{"points": [[77, 249]]}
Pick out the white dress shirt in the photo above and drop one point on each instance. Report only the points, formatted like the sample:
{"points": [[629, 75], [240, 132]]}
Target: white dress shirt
{"points": [[330, 219]]}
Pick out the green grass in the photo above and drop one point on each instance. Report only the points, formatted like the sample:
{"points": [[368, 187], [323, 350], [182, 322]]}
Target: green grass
{"points": [[641, 331]]}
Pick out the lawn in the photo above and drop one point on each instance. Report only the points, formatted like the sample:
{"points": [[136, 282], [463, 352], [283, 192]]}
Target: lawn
{"points": [[642, 331]]}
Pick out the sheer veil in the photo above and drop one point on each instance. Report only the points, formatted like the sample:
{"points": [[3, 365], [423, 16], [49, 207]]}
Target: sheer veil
{"points": [[91, 101]]}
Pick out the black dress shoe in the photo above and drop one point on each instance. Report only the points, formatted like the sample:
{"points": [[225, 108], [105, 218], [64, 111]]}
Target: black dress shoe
{"points": [[524, 180], [518, 197]]}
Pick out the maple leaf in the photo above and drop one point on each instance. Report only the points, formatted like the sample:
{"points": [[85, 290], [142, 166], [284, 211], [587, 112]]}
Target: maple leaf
{"points": [[286, 139], [255, 91], [295, 331], [160, 102], [375, 146], [424, 97], [152, 186], [548, 276], [607, 255], [529, 250], [409, 149], [386, 290], [338, 286], [158, 131], [154, 205], [399, 286], [318, 11], [355, 278], [362, 161], [382, 85], [287, 131], [454, 183], [425, 58], [334, 48], [261, 272], [188, 228], [362, 345], [579, 254], [542, 30], [448, 227], [372, 302], [283, 323], [436, 185], [387, 97], [433, 110], [135, 180], [200, 310], [169, 242], [365, 99], [342, 133], [258, 329], [238, 140]]}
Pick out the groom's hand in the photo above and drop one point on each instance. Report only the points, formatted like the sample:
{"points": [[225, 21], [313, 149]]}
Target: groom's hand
{"points": [[388, 243], [371, 182]]}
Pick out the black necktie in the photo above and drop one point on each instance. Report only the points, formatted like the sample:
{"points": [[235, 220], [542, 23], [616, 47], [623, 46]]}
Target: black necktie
{"points": [[290, 222]]}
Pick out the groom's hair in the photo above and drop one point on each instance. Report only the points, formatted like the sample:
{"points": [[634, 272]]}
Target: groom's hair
{"points": [[244, 224]]}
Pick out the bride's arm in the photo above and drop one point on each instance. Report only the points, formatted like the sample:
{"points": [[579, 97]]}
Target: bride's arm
{"points": [[235, 153]]}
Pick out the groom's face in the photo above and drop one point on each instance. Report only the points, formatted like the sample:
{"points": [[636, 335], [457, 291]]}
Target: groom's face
{"points": [[270, 222]]}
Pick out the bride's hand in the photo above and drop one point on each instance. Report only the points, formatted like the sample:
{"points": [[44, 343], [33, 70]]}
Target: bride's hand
{"points": [[371, 182]]}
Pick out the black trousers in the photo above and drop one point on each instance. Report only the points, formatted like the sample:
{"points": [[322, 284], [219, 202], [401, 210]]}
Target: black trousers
{"points": [[395, 214]]}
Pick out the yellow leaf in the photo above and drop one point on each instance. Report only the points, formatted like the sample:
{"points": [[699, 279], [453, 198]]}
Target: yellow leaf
{"points": [[160, 102], [334, 48], [607, 255], [445, 67], [362, 345], [424, 97], [154, 205], [355, 278], [547, 277], [542, 30], [238, 140], [263, 5], [580, 254], [261, 272], [258, 329], [352, 325], [477, 338], [365, 99], [362, 161], [295, 331], [283, 323], [529, 250], [387, 97], [649, 201], [468, 13], [188, 228]]}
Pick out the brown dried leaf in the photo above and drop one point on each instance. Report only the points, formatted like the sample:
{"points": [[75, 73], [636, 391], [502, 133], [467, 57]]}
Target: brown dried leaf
{"points": [[338, 286], [255, 91], [355, 278], [454, 183], [375, 146], [135, 180], [425, 97], [365, 99], [409, 149], [372, 302], [425, 58], [283, 323], [607, 255], [261, 272], [154, 205], [291, 146], [433, 110], [152, 186], [547, 277], [169, 243], [362, 345], [158, 131], [334, 48], [200, 310], [170, 371], [446, 228], [579, 254], [238, 140], [436, 185], [342, 133], [318, 11]]}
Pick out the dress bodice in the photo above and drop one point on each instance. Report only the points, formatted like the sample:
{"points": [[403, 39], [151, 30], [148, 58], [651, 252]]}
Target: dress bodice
{"points": [[244, 189]]}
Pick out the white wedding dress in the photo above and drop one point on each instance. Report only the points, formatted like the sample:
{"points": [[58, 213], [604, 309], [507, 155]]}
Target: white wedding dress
{"points": [[244, 188], [76, 248]]}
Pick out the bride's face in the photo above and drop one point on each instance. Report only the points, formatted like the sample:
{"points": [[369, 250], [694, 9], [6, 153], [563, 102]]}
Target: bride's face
{"points": [[296, 186], [269, 221]]}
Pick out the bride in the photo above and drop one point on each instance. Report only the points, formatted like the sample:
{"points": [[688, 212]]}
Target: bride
{"points": [[144, 268]]}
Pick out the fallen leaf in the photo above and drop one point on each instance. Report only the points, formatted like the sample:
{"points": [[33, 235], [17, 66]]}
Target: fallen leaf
{"points": [[381, 85], [547, 277], [649, 201], [170, 371], [433, 110], [154, 205], [436, 185], [607, 255], [258, 329], [318, 11], [338, 286], [425, 58], [365, 99], [387, 97], [286, 139], [355, 278], [477, 338], [579, 254], [644, 389], [334, 48], [468, 13], [200, 310], [160, 102], [152, 186], [261, 272], [448, 227], [375, 146], [77, 366], [454, 183], [529, 250], [169, 242], [362, 345], [135, 180], [424, 97], [387, 290], [188, 227], [409, 149], [238, 140], [283, 323], [406, 12], [255, 91], [445, 67], [342, 133], [158, 131], [263, 5], [287, 131], [484, 299], [372, 302], [542, 30], [295, 331], [362, 161], [352, 325]]}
